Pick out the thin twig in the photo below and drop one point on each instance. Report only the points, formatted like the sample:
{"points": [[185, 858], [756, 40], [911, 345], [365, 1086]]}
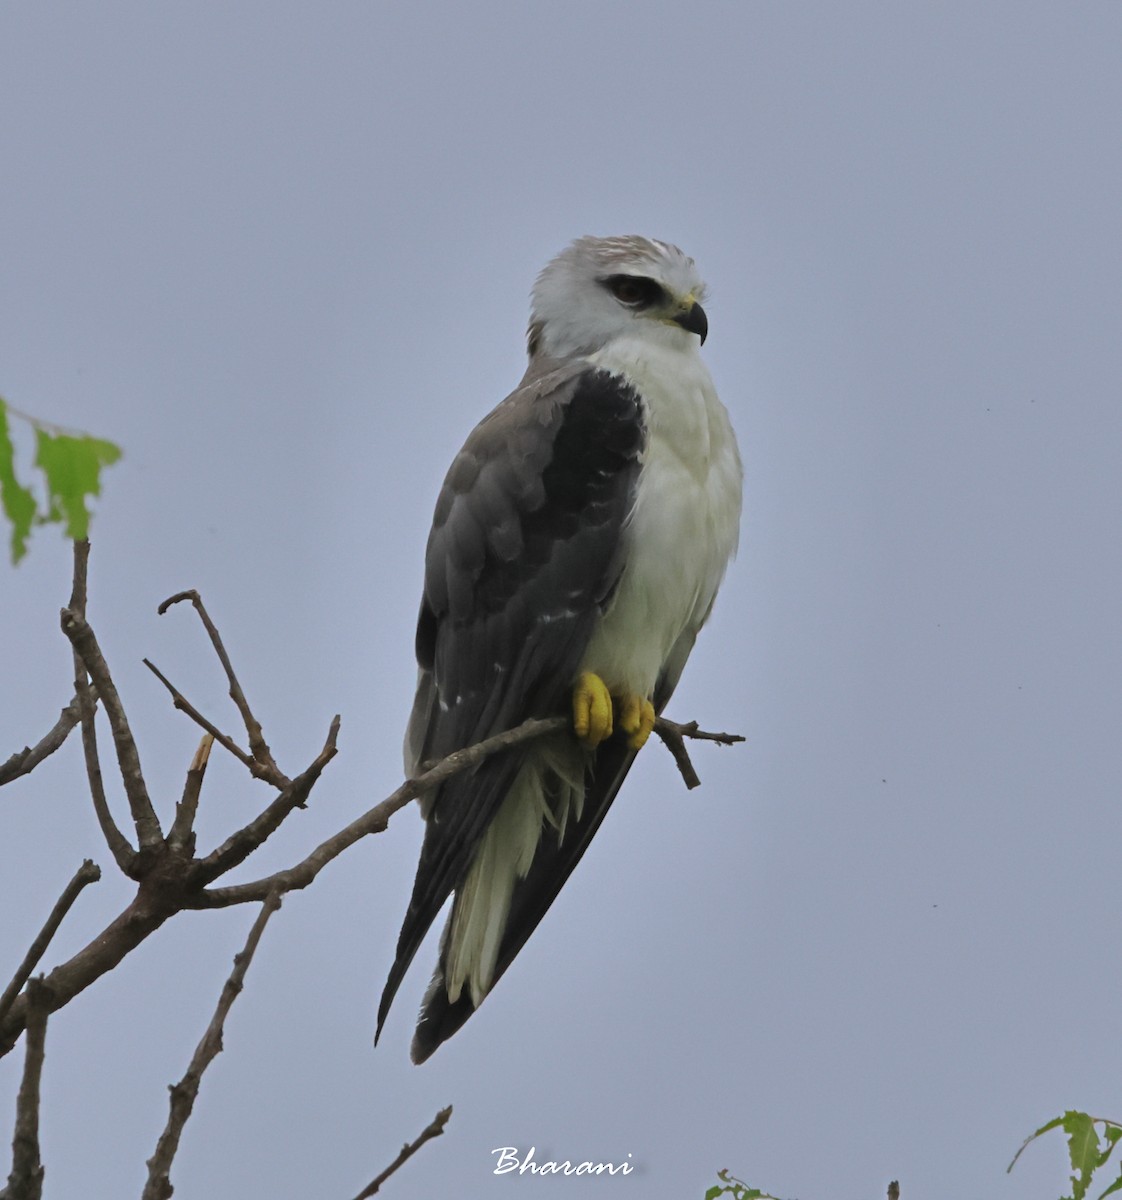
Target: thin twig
{"points": [[256, 769], [673, 738], [88, 872], [184, 1093], [24, 761], [144, 817], [182, 828], [435, 1129], [257, 744], [26, 1179]]}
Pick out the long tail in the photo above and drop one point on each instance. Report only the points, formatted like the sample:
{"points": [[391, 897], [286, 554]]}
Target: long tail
{"points": [[452, 994]]}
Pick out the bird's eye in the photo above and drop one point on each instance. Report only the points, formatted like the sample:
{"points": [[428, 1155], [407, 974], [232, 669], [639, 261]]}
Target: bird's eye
{"points": [[636, 291]]}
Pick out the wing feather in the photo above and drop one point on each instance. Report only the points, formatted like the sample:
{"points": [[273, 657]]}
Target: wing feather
{"points": [[525, 551]]}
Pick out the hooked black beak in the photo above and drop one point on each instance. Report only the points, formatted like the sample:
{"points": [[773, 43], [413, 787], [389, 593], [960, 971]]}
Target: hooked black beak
{"points": [[694, 320]]}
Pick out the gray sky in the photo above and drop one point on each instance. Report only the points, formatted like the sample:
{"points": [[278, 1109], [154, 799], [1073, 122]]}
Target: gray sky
{"points": [[282, 253]]}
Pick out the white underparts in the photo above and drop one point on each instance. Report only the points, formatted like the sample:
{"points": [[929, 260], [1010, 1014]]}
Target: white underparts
{"points": [[684, 526]]}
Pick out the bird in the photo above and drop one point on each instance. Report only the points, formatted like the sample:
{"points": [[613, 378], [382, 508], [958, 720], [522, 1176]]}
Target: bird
{"points": [[577, 546]]}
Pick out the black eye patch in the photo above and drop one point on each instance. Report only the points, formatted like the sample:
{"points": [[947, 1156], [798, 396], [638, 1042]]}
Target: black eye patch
{"points": [[636, 291]]}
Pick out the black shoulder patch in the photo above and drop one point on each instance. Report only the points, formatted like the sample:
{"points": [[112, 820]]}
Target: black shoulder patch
{"points": [[585, 494], [601, 434]]}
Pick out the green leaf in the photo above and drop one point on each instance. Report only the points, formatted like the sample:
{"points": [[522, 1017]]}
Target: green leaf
{"points": [[1112, 1133], [17, 501], [714, 1192], [72, 467], [1083, 1148], [1116, 1186]]}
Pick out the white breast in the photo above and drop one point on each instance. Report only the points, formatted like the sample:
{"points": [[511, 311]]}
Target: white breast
{"points": [[685, 523]]}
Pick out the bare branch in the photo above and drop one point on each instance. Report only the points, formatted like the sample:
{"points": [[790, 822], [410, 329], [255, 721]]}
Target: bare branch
{"points": [[257, 744], [79, 588], [184, 1093], [435, 1129], [119, 846], [673, 735], [181, 702], [87, 873], [157, 899], [144, 817], [26, 1179], [376, 819], [181, 834], [24, 761], [169, 883], [123, 853]]}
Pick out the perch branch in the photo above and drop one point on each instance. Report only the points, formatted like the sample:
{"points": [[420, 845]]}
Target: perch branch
{"points": [[184, 1093], [376, 819], [87, 873], [673, 738], [435, 1129]]}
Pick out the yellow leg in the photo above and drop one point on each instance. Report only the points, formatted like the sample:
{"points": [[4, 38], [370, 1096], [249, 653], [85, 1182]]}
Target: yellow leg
{"points": [[636, 719], [592, 709]]}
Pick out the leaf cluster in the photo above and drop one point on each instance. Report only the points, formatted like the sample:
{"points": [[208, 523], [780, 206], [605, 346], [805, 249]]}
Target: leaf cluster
{"points": [[736, 1188], [1084, 1149], [70, 464]]}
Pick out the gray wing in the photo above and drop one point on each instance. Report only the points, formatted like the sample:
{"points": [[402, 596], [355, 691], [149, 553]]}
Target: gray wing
{"points": [[524, 553]]}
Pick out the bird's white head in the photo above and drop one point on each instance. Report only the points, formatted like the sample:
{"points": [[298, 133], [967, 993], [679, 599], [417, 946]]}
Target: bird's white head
{"points": [[599, 289]]}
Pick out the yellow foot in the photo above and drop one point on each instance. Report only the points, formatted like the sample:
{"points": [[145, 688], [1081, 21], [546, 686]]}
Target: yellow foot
{"points": [[636, 719], [592, 709]]}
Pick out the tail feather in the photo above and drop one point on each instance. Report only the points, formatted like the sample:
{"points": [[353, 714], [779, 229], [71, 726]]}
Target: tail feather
{"points": [[441, 867], [556, 856]]}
